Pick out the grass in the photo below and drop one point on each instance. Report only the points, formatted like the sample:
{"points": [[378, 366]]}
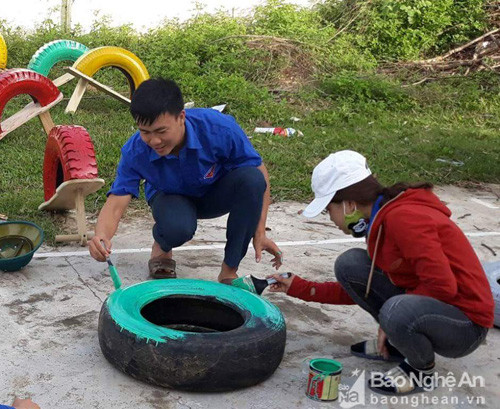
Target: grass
{"points": [[402, 131]]}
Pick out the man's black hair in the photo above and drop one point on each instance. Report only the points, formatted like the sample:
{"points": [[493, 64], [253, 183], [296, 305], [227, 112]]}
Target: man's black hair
{"points": [[155, 97]]}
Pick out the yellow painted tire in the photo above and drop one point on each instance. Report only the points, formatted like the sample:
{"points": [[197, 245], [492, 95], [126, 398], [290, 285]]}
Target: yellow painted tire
{"points": [[3, 53], [126, 61]]}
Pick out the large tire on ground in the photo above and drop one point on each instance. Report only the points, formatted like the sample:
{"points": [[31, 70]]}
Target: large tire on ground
{"points": [[492, 270], [19, 81], [56, 51], [3, 53], [192, 335], [127, 62], [69, 154]]}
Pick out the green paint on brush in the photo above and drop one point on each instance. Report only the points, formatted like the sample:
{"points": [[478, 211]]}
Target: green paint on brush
{"points": [[125, 306], [114, 275], [245, 283], [112, 270]]}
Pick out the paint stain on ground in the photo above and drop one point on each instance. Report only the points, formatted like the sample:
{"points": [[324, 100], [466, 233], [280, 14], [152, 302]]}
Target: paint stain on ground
{"points": [[31, 300], [303, 311], [82, 320], [159, 399]]}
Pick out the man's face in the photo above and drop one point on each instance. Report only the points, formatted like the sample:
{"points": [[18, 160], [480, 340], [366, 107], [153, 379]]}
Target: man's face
{"points": [[166, 134]]}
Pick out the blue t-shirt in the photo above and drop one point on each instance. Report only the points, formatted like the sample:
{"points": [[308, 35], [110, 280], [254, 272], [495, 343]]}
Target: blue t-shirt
{"points": [[6, 407], [215, 144]]}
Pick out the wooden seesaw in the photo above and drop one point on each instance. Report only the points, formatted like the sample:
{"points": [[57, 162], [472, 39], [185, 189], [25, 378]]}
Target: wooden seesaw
{"points": [[69, 153], [71, 195], [19, 81]]}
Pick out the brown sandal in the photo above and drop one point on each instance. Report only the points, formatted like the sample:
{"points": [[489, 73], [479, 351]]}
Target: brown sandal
{"points": [[162, 267]]}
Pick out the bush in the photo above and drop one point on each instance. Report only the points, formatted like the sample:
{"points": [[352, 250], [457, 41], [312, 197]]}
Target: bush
{"points": [[410, 29]]}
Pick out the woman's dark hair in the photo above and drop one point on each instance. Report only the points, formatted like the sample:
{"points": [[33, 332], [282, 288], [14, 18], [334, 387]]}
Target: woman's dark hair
{"points": [[367, 191], [155, 97]]}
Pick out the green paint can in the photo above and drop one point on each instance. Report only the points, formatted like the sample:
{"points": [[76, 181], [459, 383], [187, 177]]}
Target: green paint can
{"points": [[323, 380]]}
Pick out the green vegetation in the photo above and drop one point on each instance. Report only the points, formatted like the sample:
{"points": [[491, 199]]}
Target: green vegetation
{"points": [[281, 62]]}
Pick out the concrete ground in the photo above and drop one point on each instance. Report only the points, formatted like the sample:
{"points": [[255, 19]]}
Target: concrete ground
{"points": [[48, 314]]}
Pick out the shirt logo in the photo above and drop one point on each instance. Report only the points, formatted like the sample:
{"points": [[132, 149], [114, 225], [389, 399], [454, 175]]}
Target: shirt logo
{"points": [[211, 172]]}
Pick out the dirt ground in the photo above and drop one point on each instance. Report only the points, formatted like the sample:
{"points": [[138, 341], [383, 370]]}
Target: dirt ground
{"points": [[49, 312]]}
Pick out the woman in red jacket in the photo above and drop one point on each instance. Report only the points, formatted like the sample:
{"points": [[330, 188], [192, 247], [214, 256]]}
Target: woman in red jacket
{"points": [[420, 278]]}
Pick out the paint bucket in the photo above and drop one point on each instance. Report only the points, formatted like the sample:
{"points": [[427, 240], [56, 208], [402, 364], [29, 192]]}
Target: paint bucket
{"points": [[324, 379]]}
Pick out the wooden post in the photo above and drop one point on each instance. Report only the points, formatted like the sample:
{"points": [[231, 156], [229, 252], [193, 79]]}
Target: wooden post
{"points": [[76, 97], [46, 121], [80, 217], [66, 15]]}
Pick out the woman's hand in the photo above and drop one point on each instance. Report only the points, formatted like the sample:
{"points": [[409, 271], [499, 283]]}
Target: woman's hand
{"points": [[382, 348], [282, 284]]}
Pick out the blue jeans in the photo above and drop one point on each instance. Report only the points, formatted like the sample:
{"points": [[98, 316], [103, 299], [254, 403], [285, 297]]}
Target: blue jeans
{"points": [[418, 326], [239, 193]]}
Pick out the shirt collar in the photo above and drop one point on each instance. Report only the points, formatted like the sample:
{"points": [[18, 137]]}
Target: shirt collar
{"points": [[192, 142], [375, 209]]}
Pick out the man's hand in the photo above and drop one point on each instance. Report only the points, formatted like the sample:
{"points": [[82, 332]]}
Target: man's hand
{"points": [[97, 251], [282, 285], [24, 404], [382, 348], [262, 243]]}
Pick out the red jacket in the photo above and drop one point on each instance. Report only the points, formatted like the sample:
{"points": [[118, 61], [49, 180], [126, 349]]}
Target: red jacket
{"points": [[422, 250]]}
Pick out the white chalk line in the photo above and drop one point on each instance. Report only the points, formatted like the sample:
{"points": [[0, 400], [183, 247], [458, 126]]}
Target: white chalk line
{"points": [[486, 204], [221, 246]]}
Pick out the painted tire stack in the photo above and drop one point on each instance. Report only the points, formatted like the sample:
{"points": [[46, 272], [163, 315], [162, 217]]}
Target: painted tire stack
{"points": [[17, 81], [128, 63], [69, 155], [54, 52]]}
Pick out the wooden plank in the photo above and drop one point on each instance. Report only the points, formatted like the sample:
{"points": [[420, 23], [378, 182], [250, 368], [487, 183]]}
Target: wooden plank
{"points": [[76, 97], [101, 87], [72, 237], [46, 121], [30, 111], [64, 198], [81, 221], [63, 79]]}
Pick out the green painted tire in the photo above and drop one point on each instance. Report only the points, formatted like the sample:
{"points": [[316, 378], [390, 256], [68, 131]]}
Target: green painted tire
{"points": [[192, 334], [56, 51]]}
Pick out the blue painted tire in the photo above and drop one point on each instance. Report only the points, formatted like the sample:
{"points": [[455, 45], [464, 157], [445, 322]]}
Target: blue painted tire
{"points": [[192, 335]]}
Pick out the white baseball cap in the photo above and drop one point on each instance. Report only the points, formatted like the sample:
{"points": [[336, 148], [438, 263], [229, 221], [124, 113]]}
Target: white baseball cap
{"points": [[338, 171]]}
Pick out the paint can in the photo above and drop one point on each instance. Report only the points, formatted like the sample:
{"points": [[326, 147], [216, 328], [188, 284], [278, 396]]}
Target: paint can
{"points": [[324, 378]]}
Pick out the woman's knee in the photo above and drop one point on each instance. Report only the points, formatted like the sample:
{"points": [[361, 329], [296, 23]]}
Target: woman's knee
{"points": [[346, 263], [398, 313]]}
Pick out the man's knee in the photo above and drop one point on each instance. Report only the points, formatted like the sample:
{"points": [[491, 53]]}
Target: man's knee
{"points": [[174, 232], [250, 181]]}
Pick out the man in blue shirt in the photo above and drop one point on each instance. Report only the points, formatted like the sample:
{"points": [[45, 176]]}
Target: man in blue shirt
{"points": [[197, 164]]}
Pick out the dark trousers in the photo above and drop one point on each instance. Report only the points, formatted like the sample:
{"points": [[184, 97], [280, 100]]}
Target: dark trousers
{"points": [[418, 326], [239, 193]]}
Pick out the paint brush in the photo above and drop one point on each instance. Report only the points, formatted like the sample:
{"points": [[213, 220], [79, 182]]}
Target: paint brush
{"points": [[255, 285], [112, 269]]}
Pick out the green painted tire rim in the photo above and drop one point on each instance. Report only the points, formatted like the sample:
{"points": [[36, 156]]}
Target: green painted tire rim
{"points": [[125, 306], [56, 51]]}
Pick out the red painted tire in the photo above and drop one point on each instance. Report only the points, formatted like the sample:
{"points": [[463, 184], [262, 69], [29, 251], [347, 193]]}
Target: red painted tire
{"points": [[69, 154], [19, 81]]}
